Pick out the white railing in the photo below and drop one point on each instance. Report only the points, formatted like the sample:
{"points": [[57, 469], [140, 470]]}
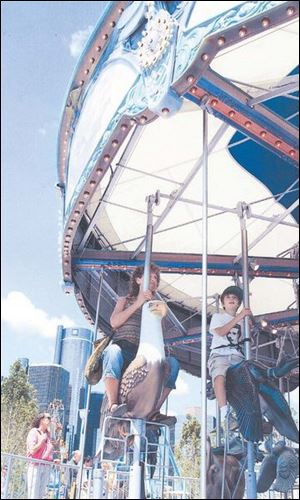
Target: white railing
{"points": [[117, 486], [160, 474], [23, 477]]}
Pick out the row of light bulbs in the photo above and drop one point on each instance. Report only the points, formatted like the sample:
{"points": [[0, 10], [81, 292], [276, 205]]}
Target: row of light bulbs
{"points": [[221, 41]]}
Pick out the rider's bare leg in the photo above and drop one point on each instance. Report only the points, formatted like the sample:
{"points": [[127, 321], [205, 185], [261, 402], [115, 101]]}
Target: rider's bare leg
{"points": [[112, 391]]}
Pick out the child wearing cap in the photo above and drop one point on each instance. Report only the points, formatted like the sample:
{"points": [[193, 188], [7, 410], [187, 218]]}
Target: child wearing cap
{"points": [[226, 346]]}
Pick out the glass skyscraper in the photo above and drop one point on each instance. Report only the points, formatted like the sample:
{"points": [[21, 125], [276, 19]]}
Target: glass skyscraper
{"points": [[25, 364], [93, 432], [51, 382], [72, 350]]}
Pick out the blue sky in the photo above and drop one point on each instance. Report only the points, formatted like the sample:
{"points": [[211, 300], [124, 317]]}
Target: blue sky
{"points": [[40, 46], [41, 43]]}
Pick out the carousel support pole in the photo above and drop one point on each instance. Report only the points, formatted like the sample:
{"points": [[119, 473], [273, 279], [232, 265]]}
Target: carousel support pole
{"points": [[244, 211], [294, 254], [281, 342], [138, 429], [288, 390], [151, 200], [138, 424], [85, 419], [98, 480], [218, 412], [204, 309]]}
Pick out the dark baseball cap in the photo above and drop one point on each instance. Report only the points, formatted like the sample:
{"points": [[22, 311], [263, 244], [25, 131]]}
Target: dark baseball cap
{"points": [[233, 290]]}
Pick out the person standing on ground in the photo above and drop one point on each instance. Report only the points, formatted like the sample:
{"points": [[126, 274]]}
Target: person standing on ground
{"points": [[39, 446], [72, 473]]}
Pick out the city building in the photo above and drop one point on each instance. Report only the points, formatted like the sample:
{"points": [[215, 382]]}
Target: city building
{"points": [[72, 350], [25, 364], [51, 382], [93, 432]]}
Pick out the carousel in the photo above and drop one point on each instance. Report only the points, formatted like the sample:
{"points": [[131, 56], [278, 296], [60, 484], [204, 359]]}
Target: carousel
{"points": [[178, 145]]}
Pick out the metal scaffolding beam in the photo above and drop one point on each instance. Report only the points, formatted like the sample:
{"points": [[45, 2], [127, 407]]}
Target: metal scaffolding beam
{"points": [[218, 265]]}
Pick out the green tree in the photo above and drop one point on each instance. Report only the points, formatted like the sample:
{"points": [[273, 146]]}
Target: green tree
{"points": [[18, 409], [187, 451]]}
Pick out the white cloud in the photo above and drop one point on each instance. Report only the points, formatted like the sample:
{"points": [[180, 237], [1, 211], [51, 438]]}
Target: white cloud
{"points": [[172, 412], [23, 316], [78, 40], [48, 127], [182, 387]]}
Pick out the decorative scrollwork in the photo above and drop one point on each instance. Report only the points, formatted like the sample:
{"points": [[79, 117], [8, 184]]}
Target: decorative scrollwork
{"points": [[156, 38]]}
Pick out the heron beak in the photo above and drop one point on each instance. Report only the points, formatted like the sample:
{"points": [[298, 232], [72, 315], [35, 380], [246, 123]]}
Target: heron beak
{"points": [[158, 308]]}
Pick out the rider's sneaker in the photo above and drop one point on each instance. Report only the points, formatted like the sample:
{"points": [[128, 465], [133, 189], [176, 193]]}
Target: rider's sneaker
{"points": [[229, 423], [118, 410]]}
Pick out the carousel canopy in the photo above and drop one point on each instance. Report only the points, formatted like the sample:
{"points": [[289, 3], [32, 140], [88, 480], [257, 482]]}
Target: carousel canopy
{"points": [[134, 127]]}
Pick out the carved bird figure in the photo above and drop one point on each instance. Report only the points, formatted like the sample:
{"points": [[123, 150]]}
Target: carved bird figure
{"points": [[281, 464], [142, 383], [251, 392]]}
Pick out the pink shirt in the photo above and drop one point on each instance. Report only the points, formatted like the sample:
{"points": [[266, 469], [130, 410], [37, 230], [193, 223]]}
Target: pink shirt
{"points": [[45, 450]]}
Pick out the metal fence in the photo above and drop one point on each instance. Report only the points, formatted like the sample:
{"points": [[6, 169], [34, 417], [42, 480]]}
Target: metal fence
{"points": [[23, 477], [116, 485]]}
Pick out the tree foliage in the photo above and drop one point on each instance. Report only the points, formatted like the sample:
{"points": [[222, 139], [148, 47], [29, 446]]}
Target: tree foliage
{"points": [[187, 451], [18, 409]]}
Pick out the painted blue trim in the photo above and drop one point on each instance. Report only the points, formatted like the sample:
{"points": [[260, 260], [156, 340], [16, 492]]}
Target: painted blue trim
{"points": [[90, 41], [283, 320], [263, 144], [83, 263], [276, 174], [186, 339], [252, 113], [261, 160], [71, 86]]}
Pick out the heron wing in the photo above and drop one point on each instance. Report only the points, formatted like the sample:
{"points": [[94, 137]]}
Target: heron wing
{"points": [[242, 394], [267, 474], [284, 367], [286, 470], [277, 410], [134, 374]]}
